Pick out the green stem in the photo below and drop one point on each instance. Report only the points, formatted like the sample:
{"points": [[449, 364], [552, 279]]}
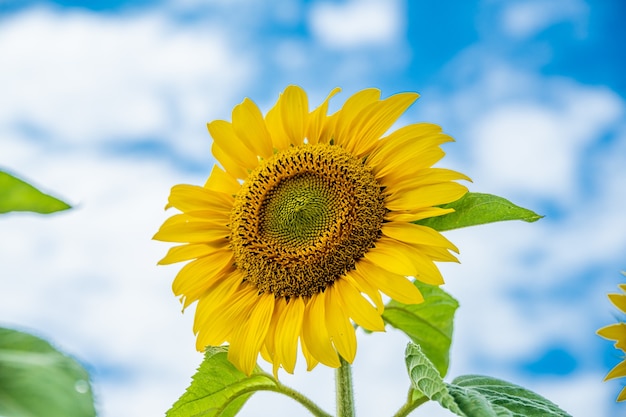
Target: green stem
{"points": [[408, 407], [345, 396], [305, 401]]}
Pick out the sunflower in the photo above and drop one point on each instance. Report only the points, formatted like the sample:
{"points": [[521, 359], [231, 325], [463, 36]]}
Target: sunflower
{"points": [[309, 218], [617, 332]]}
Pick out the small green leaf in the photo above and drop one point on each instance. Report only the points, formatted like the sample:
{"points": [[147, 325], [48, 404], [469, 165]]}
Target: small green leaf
{"points": [[38, 380], [218, 388], [17, 195], [428, 324], [427, 380], [475, 208], [480, 396]]}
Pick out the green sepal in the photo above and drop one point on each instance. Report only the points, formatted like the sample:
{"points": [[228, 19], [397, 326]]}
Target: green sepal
{"points": [[17, 195], [474, 209], [219, 389], [428, 324], [38, 380], [474, 395]]}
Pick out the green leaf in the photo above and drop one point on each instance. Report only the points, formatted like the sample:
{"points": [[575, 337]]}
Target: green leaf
{"points": [[17, 195], [475, 208], [218, 388], [428, 324], [38, 380], [480, 396], [426, 379], [473, 395]]}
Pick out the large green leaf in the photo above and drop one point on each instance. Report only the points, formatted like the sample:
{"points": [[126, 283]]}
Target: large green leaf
{"points": [[38, 380], [428, 324], [475, 208], [218, 388], [476, 396], [426, 379], [17, 195]]}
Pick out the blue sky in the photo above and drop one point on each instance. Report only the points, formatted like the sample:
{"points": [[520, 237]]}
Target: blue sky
{"points": [[105, 103]]}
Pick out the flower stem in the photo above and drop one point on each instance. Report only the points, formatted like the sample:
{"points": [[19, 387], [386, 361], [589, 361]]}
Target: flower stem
{"points": [[410, 406], [305, 401], [345, 395]]}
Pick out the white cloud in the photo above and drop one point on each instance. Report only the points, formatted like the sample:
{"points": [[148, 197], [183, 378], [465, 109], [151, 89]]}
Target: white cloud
{"points": [[536, 146], [356, 24], [524, 19], [81, 77]]}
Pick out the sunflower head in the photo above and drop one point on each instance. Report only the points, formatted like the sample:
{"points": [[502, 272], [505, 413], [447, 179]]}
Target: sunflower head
{"points": [[617, 332], [308, 218]]}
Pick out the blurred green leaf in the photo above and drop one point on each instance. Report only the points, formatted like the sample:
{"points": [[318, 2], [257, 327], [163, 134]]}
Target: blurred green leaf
{"points": [[426, 379], [475, 208], [17, 195], [480, 396], [38, 380], [218, 388], [428, 324]]}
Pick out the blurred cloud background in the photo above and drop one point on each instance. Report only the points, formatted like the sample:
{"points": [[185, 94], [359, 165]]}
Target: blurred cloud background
{"points": [[105, 104]]}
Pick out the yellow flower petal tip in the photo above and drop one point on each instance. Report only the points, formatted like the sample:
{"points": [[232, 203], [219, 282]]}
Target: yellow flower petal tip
{"points": [[306, 221], [617, 332]]}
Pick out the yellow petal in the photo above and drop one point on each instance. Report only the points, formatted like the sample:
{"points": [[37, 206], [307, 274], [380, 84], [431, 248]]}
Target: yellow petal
{"points": [[248, 339], [311, 362], [415, 215], [427, 271], [186, 252], [615, 332], [230, 318], [435, 253], [267, 357], [224, 136], [403, 182], [190, 230], [187, 197], [366, 287], [287, 332], [229, 164], [407, 142], [274, 122], [395, 286], [357, 307], [617, 372], [414, 233], [270, 337], [344, 127], [619, 301], [327, 136], [339, 327], [622, 395], [250, 127], [318, 118], [212, 300], [222, 182], [377, 118], [314, 333], [295, 114], [387, 254], [200, 273], [426, 196]]}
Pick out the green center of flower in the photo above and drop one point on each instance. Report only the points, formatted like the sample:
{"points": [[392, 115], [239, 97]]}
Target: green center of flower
{"points": [[299, 211], [303, 218]]}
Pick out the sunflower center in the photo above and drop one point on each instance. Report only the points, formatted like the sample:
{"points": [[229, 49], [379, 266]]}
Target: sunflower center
{"points": [[303, 218]]}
